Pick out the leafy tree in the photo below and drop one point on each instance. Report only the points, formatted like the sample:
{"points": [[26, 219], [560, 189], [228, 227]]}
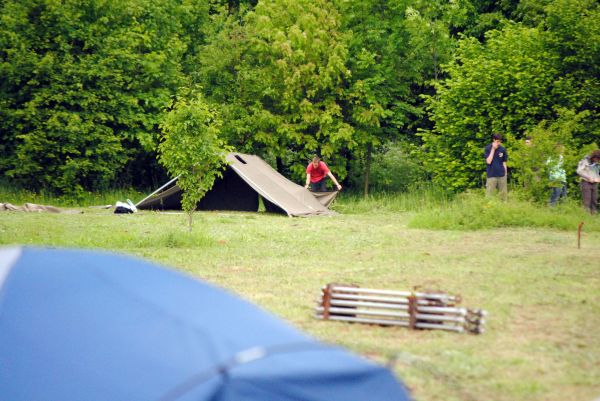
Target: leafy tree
{"points": [[500, 86], [573, 34], [379, 102], [84, 85], [519, 77], [191, 148], [279, 77], [549, 141], [431, 24], [397, 50], [393, 169], [488, 15]]}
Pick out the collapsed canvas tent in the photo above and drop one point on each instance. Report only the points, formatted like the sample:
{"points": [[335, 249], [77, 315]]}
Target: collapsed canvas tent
{"points": [[245, 179], [82, 325]]}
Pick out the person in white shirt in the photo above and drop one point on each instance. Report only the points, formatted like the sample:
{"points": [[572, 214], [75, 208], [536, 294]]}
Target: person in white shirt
{"points": [[589, 171]]}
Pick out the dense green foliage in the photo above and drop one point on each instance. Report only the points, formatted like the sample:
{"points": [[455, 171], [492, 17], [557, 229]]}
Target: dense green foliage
{"points": [[549, 143], [192, 150], [278, 75], [519, 77], [86, 86], [393, 169]]}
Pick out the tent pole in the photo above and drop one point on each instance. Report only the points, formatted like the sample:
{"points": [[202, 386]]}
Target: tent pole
{"points": [[157, 191]]}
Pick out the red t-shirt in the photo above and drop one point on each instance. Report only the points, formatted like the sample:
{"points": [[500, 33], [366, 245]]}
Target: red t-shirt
{"points": [[317, 173]]}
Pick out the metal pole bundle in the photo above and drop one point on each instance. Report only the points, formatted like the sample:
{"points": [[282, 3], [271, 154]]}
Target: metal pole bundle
{"points": [[415, 310]]}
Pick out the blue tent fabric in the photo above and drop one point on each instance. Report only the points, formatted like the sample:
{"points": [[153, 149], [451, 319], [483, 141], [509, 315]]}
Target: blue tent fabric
{"points": [[83, 325]]}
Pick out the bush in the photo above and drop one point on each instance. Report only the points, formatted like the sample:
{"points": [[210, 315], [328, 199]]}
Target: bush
{"points": [[392, 170], [530, 164]]}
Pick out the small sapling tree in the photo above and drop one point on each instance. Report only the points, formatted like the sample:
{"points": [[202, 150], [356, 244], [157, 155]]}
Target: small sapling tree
{"points": [[191, 148]]}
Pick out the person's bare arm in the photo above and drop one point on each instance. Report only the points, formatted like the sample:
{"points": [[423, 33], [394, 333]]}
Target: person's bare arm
{"points": [[307, 180], [492, 151], [337, 184]]}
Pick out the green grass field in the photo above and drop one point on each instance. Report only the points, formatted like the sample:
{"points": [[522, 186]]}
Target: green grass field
{"points": [[542, 292]]}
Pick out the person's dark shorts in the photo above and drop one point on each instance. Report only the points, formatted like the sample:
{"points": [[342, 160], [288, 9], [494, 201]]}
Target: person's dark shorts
{"points": [[319, 186]]}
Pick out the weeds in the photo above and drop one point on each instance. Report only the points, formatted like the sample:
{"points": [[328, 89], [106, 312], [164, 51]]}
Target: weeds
{"points": [[472, 211], [17, 196], [419, 197], [435, 209]]}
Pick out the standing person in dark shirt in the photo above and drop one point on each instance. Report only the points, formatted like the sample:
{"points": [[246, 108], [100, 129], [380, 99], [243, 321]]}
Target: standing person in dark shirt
{"points": [[316, 175], [496, 157]]}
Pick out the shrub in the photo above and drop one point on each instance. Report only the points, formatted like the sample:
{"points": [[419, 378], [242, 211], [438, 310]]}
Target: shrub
{"points": [[530, 164], [393, 169]]}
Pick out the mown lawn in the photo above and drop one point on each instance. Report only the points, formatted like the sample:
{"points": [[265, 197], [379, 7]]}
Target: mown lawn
{"points": [[542, 292]]}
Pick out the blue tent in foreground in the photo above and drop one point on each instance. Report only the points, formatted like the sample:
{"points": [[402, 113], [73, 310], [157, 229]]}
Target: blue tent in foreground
{"points": [[82, 325]]}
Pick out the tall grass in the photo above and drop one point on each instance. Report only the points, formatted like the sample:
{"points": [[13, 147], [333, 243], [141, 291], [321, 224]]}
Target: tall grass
{"points": [[434, 208], [17, 196], [473, 211], [417, 198]]}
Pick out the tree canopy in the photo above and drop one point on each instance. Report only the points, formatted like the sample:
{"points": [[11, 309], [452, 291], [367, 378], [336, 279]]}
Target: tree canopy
{"points": [[519, 77], [89, 87], [191, 148]]}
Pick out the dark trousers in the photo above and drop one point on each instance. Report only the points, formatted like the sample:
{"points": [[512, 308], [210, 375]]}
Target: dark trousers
{"points": [[319, 186], [589, 195], [557, 194]]}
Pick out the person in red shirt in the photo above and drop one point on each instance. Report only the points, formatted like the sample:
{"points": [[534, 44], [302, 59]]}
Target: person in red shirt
{"points": [[316, 175]]}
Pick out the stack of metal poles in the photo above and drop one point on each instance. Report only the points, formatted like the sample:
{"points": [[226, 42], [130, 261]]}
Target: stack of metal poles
{"points": [[415, 310]]}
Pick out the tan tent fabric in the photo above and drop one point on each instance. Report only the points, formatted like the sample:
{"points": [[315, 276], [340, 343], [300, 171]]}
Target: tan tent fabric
{"points": [[326, 198], [28, 207], [294, 199], [279, 193], [156, 198]]}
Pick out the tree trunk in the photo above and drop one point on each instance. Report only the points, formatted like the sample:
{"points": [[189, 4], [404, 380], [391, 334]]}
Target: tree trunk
{"points": [[190, 214], [367, 170]]}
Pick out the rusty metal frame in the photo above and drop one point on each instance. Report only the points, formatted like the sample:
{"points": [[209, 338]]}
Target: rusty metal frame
{"points": [[414, 310]]}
